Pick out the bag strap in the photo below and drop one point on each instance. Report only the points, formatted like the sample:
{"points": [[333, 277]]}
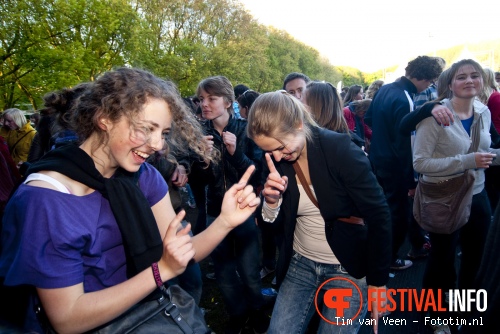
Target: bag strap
{"points": [[475, 134], [172, 311], [303, 181], [17, 142], [302, 178]]}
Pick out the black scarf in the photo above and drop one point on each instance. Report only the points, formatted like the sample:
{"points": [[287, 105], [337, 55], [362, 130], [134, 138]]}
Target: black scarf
{"points": [[141, 237]]}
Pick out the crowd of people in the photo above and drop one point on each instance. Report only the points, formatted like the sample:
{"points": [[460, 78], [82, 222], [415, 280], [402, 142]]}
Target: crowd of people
{"points": [[306, 183]]}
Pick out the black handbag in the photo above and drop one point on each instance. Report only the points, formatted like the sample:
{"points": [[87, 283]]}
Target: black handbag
{"points": [[175, 311]]}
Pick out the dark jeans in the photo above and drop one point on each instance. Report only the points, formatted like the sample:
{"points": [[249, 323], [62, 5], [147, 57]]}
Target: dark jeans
{"points": [[415, 232], [190, 280], [440, 272], [237, 267], [268, 246], [492, 185], [396, 194], [200, 198]]}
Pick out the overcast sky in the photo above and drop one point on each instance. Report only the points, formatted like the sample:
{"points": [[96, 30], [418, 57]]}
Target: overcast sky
{"points": [[370, 35]]}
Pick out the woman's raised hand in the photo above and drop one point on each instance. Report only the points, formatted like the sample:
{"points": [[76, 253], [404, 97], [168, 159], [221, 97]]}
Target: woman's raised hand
{"points": [[177, 248], [275, 184], [209, 144], [240, 201]]}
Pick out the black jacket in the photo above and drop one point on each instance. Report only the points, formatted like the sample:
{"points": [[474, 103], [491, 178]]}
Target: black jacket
{"points": [[345, 186], [390, 150], [228, 171]]}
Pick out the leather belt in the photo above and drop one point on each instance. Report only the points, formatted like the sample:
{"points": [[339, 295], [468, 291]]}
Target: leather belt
{"points": [[353, 220]]}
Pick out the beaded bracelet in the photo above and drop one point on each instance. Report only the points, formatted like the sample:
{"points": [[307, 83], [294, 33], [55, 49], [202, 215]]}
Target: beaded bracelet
{"points": [[156, 275]]}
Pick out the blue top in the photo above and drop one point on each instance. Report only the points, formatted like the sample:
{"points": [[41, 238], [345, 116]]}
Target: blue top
{"points": [[236, 108], [53, 240], [467, 123]]}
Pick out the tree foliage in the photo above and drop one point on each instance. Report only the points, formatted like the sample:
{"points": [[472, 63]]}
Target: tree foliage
{"points": [[46, 45]]}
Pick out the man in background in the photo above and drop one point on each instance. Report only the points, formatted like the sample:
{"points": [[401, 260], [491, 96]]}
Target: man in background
{"points": [[390, 151]]}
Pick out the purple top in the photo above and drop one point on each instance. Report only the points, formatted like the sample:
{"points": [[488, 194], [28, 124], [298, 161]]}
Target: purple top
{"points": [[53, 240]]}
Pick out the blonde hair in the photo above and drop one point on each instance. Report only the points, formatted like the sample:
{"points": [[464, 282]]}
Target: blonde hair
{"points": [[490, 85], [361, 105], [326, 107], [17, 116], [373, 88], [276, 114]]}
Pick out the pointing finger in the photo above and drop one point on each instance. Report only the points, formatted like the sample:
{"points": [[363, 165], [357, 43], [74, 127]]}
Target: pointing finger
{"points": [[270, 164], [248, 173], [174, 226]]}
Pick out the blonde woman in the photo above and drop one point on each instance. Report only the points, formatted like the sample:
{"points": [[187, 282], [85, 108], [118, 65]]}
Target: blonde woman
{"points": [[18, 133], [346, 200]]}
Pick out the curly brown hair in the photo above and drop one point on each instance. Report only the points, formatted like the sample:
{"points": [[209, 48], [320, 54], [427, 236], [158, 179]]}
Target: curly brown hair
{"points": [[123, 92], [424, 68]]}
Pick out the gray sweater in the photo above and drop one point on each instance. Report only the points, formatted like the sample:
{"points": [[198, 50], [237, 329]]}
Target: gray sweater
{"points": [[440, 153]]}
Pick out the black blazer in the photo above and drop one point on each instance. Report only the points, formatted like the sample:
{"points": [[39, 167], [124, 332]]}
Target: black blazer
{"points": [[345, 186]]}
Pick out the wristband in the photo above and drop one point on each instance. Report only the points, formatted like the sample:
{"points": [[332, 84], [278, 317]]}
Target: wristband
{"points": [[156, 274]]}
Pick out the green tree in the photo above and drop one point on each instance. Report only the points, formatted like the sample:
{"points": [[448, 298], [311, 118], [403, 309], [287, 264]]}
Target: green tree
{"points": [[47, 45]]}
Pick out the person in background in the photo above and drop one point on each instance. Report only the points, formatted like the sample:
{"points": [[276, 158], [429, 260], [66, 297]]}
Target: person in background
{"points": [[238, 90], [344, 92], [430, 93], [18, 133], [390, 150], [373, 89], [236, 258], [324, 104], [487, 278], [295, 84], [354, 93], [497, 77], [323, 101], [245, 101], [35, 119], [196, 101], [53, 130], [10, 175], [491, 97], [121, 119], [344, 194], [441, 153], [354, 115], [419, 239], [174, 173]]}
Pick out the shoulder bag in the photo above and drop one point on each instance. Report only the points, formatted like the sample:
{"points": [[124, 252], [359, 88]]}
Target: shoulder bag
{"points": [[175, 311], [444, 207]]}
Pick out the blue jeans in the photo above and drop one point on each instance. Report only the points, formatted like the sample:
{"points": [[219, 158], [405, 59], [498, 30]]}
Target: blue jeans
{"points": [[237, 268], [295, 304]]}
